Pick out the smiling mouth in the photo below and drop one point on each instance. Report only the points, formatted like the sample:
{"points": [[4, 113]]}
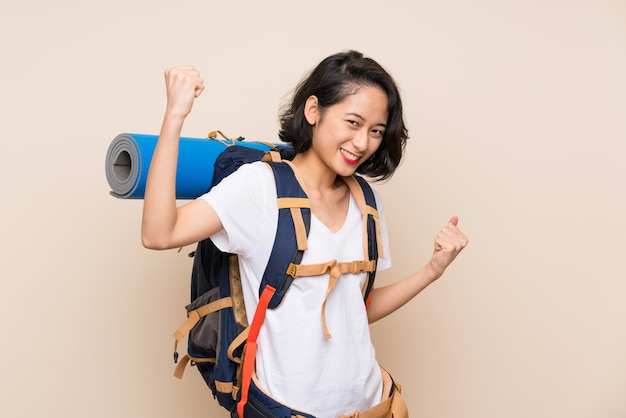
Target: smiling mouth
{"points": [[350, 157]]}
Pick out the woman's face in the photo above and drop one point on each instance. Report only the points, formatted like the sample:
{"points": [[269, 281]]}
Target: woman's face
{"points": [[346, 134]]}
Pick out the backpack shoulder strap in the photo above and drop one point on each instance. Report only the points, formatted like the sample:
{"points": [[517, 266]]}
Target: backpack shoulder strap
{"points": [[295, 215], [294, 220], [372, 241]]}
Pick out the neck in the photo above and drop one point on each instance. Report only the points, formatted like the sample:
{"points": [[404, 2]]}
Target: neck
{"points": [[316, 176]]}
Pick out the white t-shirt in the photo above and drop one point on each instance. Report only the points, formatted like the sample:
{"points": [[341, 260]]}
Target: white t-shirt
{"points": [[295, 363]]}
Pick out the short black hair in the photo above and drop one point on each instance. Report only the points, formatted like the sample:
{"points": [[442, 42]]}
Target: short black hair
{"points": [[331, 81]]}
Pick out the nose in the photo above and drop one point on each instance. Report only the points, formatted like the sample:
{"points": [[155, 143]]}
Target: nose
{"points": [[361, 140]]}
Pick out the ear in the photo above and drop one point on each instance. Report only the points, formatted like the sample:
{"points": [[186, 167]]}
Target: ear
{"points": [[312, 110]]}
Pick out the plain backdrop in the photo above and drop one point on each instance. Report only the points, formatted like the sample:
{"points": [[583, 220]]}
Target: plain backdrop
{"points": [[517, 117]]}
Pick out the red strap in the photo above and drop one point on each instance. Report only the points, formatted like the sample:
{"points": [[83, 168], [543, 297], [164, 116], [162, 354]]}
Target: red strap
{"points": [[250, 350]]}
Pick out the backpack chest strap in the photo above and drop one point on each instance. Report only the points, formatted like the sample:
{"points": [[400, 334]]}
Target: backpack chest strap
{"points": [[334, 269]]}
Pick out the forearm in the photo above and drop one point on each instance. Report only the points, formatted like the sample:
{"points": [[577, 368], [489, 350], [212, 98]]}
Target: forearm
{"points": [[448, 244], [387, 299], [159, 210]]}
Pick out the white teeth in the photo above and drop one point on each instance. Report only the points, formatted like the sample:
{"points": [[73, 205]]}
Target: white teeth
{"points": [[349, 155]]}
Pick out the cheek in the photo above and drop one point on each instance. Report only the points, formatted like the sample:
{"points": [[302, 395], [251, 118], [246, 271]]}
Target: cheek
{"points": [[375, 145], [371, 152]]}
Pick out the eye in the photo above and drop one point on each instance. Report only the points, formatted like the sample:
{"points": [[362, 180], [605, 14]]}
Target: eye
{"points": [[378, 133], [353, 122]]}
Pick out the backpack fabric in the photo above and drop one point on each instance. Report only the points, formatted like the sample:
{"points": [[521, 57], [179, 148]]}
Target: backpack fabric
{"points": [[219, 333]]}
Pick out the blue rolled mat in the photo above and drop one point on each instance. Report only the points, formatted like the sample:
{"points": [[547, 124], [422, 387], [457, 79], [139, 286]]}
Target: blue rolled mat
{"points": [[129, 155]]}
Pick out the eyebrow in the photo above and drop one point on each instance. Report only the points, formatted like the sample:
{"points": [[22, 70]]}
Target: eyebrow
{"points": [[384, 125]]}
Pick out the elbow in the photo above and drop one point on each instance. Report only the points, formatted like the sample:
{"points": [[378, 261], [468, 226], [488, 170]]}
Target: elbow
{"points": [[152, 243], [149, 244]]}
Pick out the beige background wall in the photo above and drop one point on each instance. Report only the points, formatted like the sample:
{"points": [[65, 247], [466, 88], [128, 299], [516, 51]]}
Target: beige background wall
{"points": [[517, 117]]}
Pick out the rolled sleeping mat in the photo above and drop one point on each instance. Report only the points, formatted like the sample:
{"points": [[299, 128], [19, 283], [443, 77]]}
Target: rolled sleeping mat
{"points": [[129, 155]]}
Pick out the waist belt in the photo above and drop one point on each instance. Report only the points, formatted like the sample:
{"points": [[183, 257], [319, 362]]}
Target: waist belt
{"points": [[262, 405]]}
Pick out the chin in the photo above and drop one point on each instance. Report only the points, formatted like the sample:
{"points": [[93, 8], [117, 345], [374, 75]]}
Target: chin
{"points": [[346, 171]]}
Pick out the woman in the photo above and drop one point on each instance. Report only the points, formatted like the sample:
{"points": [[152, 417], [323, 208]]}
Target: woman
{"points": [[345, 118]]}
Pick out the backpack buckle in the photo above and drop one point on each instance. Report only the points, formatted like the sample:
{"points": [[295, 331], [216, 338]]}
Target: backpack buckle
{"points": [[292, 270]]}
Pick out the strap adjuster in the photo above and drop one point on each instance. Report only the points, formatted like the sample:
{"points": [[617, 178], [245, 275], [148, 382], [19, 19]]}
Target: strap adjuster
{"points": [[292, 270]]}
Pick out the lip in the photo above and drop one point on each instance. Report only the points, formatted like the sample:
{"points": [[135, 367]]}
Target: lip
{"points": [[349, 160]]}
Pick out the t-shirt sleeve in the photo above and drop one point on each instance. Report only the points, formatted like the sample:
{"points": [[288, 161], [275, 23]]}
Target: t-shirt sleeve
{"points": [[383, 263], [241, 202]]}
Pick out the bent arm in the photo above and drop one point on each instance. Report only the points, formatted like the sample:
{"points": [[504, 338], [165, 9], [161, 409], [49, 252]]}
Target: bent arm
{"points": [[385, 300], [164, 225]]}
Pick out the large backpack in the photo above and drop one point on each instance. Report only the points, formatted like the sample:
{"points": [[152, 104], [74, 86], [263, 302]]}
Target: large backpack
{"points": [[219, 332]]}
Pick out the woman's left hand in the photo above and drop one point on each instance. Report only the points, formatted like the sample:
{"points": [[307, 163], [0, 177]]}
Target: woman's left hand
{"points": [[448, 244]]}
